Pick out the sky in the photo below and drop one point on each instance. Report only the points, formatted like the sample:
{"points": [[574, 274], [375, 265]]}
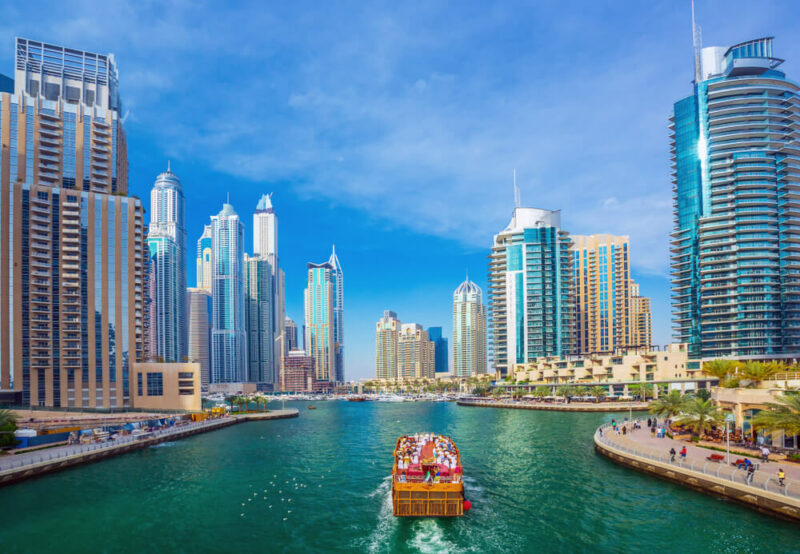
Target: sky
{"points": [[392, 129]]}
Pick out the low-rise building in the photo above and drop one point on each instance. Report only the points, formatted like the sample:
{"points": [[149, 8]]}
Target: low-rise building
{"points": [[298, 372], [166, 386]]}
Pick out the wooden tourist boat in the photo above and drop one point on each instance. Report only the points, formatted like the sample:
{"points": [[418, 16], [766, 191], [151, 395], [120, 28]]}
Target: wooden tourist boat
{"points": [[417, 491]]}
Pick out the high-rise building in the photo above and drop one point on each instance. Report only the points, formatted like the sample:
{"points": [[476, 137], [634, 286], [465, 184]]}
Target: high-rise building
{"points": [[337, 278], [469, 330], [530, 289], [228, 336], [641, 319], [440, 349], [735, 251], [166, 241], [291, 337], [604, 311], [415, 353], [298, 372], [319, 301], [199, 301], [259, 311], [387, 333], [72, 250], [205, 269]]}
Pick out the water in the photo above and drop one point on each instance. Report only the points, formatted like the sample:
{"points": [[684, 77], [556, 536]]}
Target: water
{"points": [[319, 483]]}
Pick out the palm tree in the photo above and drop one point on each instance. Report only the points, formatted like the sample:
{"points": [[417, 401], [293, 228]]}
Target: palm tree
{"points": [[755, 372], [668, 406], [566, 391], [720, 369], [598, 392], [8, 424], [231, 399], [782, 415], [540, 392], [700, 415]]}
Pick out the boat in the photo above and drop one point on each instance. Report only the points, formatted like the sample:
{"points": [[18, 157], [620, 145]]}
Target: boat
{"points": [[311, 407], [427, 488], [356, 399]]}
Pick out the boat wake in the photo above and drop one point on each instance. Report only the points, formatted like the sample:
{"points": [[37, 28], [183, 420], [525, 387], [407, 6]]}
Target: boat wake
{"points": [[429, 538], [378, 540]]}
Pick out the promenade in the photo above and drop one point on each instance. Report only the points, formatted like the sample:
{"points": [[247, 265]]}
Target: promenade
{"points": [[639, 450], [558, 406]]}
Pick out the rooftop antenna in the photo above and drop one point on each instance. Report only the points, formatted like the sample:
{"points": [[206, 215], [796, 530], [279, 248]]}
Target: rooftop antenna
{"points": [[168, 169], [228, 198], [517, 201], [697, 43]]}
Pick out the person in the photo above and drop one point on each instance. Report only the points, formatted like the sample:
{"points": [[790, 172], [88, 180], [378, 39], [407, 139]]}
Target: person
{"points": [[683, 453], [751, 471], [648, 422], [438, 477], [614, 423], [653, 431], [600, 430], [672, 454], [745, 464], [624, 429], [428, 477], [764, 454], [781, 477]]}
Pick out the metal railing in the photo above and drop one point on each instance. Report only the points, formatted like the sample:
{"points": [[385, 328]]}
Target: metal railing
{"points": [[60, 453], [720, 469]]}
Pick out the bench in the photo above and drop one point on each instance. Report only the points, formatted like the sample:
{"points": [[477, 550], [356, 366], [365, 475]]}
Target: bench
{"points": [[716, 458]]}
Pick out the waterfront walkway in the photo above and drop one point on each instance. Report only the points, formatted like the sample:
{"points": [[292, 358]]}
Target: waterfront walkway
{"points": [[558, 406]]}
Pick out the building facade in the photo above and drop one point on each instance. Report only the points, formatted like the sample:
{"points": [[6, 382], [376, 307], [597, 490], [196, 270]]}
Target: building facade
{"points": [[469, 330], [415, 353], [337, 279], [440, 348], [641, 319], [205, 269], [259, 318], [387, 334], [228, 331], [530, 289], [291, 337], [166, 241], [167, 386], [298, 372], [199, 302], [735, 248], [319, 320], [72, 250]]}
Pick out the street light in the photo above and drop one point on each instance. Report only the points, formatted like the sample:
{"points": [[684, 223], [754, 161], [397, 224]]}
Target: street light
{"points": [[730, 418]]}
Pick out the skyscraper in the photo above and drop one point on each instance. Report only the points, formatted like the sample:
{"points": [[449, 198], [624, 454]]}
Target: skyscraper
{"points": [[469, 330], [337, 278], [387, 333], [72, 250], [530, 289], [736, 240], [199, 301], [415, 353], [166, 241], [641, 319], [291, 337], [319, 320], [205, 270], [259, 311], [228, 339], [440, 349]]}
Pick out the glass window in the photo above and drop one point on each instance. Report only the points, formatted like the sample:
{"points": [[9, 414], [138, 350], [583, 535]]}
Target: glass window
{"points": [[155, 384]]}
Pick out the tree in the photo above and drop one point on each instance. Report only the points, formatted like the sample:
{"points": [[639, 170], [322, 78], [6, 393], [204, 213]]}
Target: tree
{"points": [[669, 405], [540, 392], [640, 390], [566, 391], [753, 373], [783, 415], [721, 369], [702, 394], [231, 400], [517, 394], [700, 415], [8, 424], [598, 392]]}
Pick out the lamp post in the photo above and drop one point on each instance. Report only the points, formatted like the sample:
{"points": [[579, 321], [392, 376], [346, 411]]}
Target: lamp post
{"points": [[728, 437], [283, 401]]}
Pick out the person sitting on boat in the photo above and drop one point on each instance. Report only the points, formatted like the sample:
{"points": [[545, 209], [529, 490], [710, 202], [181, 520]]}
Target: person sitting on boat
{"points": [[437, 479]]}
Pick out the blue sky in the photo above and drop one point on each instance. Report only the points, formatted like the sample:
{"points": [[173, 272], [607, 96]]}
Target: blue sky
{"points": [[392, 130]]}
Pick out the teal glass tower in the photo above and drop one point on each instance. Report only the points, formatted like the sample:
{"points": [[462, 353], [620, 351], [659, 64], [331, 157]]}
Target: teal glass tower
{"points": [[530, 290], [735, 247], [319, 319], [259, 311], [440, 349]]}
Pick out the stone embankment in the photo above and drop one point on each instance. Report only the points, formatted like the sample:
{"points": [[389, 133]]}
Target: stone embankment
{"points": [[559, 406], [25, 466]]}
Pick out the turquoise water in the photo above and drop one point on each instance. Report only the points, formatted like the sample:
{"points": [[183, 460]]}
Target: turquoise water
{"points": [[319, 483]]}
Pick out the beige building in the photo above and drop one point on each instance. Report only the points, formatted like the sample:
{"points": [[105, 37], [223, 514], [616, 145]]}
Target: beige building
{"points": [[641, 323], [469, 330], [387, 333], [415, 353], [298, 372], [605, 318], [199, 303], [162, 386], [204, 259]]}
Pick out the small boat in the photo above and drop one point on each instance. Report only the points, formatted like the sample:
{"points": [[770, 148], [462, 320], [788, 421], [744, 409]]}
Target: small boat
{"points": [[311, 407], [428, 488], [356, 399]]}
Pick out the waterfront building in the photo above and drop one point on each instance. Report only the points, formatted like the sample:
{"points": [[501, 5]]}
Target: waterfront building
{"points": [[641, 319], [530, 289], [319, 302], [605, 319], [298, 372], [291, 337], [735, 248], [415, 353], [72, 250], [166, 240], [387, 333], [469, 330], [337, 278], [204, 259], [440, 348], [228, 336], [167, 386], [199, 302], [259, 312]]}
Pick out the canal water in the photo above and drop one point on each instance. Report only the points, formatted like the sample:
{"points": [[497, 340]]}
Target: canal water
{"points": [[319, 483]]}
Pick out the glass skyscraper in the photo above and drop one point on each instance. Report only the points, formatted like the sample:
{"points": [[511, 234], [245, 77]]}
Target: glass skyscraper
{"points": [[228, 338], [530, 289], [259, 311], [166, 240], [199, 302], [72, 246], [436, 336], [319, 320], [735, 249], [204, 254], [469, 330], [337, 278]]}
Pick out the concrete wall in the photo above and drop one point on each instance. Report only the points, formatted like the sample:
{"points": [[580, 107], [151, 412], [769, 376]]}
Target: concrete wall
{"points": [[181, 387]]}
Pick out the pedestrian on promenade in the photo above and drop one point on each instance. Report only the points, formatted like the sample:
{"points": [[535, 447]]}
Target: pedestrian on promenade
{"points": [[764, 454], [683, 453], [600, 430], [672, 454], [751, 471], [624, 429], [648, 422], [781, 477], [653, 431], [614, 423]]}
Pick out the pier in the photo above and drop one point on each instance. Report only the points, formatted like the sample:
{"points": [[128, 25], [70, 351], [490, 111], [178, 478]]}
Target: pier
{"points": [[559, 407]]}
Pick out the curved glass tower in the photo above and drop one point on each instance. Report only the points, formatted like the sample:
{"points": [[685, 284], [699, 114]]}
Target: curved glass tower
{"points": [[469, 330], [166, 240], [735, 249]]}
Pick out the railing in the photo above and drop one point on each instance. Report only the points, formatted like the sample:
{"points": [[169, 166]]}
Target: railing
{"points": [[720, 469], [60, 453], [790, 376]]}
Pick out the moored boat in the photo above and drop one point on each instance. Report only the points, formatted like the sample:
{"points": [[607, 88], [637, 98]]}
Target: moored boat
{"points": [[427, 477]]}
